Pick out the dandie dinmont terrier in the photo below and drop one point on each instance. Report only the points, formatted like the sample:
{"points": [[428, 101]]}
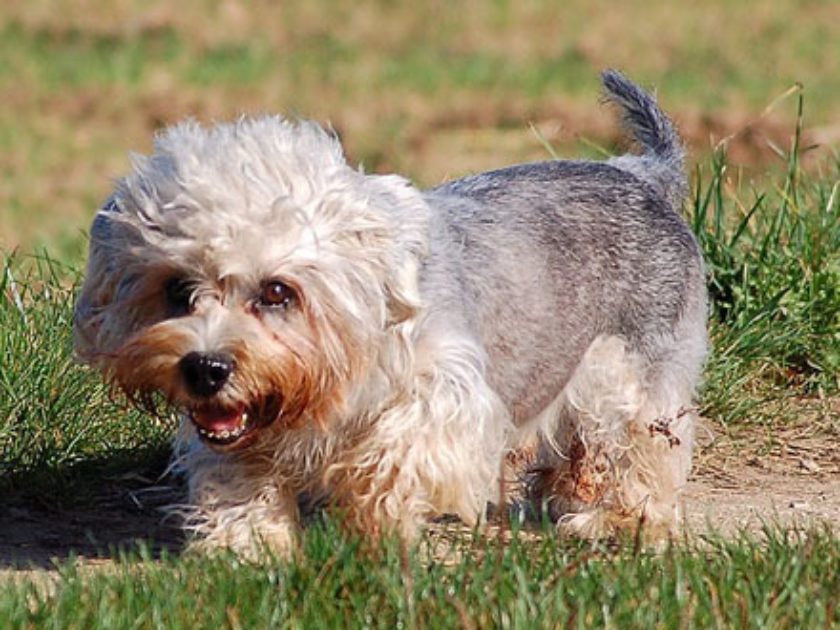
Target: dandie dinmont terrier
{"points": [[348, 337]]}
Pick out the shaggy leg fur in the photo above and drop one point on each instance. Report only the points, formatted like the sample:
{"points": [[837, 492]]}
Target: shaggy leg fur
{"points": [[434, 452], [238, 505], [620, 447]]}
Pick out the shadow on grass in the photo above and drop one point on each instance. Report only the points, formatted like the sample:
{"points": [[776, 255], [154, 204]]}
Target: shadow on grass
{"points": [[92, 510]]}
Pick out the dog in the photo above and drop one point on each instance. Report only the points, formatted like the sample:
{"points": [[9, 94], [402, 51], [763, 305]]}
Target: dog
{"points": [[344, 336]]}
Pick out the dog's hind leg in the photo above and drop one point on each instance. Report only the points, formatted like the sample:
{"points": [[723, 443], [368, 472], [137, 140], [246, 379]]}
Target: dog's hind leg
{"points": [[619, 451]]}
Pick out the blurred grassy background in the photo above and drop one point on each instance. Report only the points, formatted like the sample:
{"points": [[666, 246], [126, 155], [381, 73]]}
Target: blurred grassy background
{"points": [[432, 90]]}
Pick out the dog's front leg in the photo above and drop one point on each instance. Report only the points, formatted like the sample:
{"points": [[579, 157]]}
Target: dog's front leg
{"points": [[238, 507], [436, 450]]}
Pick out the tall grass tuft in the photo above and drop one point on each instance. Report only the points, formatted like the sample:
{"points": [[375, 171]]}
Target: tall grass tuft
{"points": [[54, 414], [774, 281]]}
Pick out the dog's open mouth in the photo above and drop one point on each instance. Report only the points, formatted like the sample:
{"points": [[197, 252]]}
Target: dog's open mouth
{"points": [[226, 426]]}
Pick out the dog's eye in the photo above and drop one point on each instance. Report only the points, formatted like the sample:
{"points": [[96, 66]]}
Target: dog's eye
{"points": [[276, 293], [178, 293]]}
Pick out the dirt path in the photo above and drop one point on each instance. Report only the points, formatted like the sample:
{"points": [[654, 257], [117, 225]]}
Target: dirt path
{"points": [[738, 482], [745, 482]]}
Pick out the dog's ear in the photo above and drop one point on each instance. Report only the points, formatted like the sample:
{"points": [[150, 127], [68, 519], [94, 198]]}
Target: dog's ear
{"points": [[403, 300], [97, 292], [409, 216]]}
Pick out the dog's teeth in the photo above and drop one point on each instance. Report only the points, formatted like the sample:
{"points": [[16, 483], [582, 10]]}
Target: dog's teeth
{"points": [[224, 435]]}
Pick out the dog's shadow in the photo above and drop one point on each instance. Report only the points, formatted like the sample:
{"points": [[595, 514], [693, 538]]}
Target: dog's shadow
{"points": [[95, 510]]}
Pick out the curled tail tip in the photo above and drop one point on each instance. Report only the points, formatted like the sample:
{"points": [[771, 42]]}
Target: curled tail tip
{"points": [[652, 130], [650, 125], [621, 89], [614, 79]]}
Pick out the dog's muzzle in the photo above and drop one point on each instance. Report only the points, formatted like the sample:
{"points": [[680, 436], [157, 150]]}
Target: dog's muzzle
{"points": [[205, 374]]}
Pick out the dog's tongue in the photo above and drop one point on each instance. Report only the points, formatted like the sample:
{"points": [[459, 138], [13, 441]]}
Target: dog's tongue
{"points": [[218, 420]]}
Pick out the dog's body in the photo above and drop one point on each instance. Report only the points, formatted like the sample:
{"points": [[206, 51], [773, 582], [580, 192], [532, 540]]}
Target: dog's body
{"points": [[348, 337]]}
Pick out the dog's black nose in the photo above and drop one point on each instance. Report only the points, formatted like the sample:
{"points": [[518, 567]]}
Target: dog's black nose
{"points": [[205, 373]]}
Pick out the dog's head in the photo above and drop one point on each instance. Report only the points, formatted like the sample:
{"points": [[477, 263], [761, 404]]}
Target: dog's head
{"points": [[248, 275]]}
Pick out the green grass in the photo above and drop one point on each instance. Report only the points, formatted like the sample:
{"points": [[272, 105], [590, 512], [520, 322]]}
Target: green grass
{"points": [[785, 580], [56, 417], [773, 258]]}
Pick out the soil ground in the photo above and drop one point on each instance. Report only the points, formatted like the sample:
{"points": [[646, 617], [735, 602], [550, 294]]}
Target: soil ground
{"points": [[748, 481], [739, 483]]}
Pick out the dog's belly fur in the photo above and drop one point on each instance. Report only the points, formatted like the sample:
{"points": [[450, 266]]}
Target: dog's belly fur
{"points": [[549, 256]]}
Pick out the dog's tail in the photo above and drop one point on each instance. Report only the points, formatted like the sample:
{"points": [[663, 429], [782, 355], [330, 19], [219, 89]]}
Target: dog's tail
{"points": [[662, 159]]}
